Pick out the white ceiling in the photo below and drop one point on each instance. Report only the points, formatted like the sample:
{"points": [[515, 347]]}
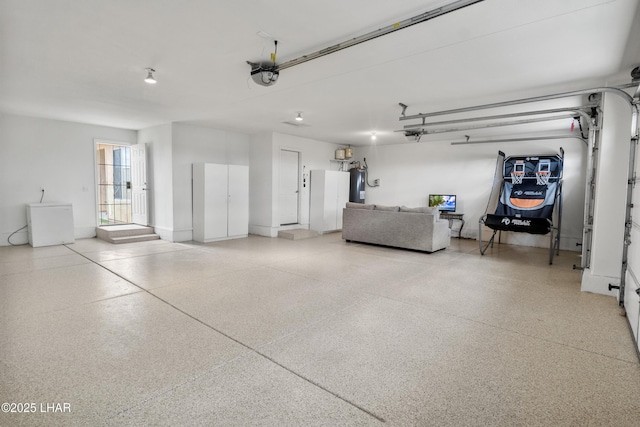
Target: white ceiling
{"points": [[84, 60]]}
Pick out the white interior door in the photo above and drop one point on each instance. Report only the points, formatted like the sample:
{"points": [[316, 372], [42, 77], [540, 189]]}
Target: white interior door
{"points": [[238, 201], [139, 201], [289, 190]]}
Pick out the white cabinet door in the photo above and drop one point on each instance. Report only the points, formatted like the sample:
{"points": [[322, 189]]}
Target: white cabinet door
{"points": [[197, 193], [317, 200], [330, 199], [220, 201], [215, 201], [329, 194], [238, 201], [343, 196]]}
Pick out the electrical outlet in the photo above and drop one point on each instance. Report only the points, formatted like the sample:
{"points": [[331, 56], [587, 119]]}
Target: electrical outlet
{"points": [[376, 182]]}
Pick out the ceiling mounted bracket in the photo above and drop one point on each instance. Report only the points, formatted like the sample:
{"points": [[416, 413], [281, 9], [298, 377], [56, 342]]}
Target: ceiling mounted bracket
{"points": [[404, 108]]}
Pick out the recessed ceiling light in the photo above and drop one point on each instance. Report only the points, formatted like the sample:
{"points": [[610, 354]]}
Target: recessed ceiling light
{"points": [[150, 79]]}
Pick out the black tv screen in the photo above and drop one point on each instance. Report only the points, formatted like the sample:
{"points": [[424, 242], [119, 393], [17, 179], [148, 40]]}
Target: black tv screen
{"points": [[444, 202]]}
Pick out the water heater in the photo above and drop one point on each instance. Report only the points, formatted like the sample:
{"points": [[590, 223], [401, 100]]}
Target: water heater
{"points": [[356, 189]]}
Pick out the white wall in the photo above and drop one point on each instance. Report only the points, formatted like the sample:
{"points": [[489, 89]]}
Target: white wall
{"points": [[194, 144], [159, 178], [265, 159], [260, 184], [173, 149], [610, 198], [314, 154], [409, 172], [56, 155]]}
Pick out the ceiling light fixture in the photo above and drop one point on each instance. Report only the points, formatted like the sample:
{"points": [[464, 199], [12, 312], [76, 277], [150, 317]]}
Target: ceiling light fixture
{"points": [[373, 136], [150, 79], [299, 117]]}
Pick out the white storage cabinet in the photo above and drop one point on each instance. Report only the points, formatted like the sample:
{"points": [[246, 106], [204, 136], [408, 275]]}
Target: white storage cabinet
{"points": [[329, 195], [220, 201]]}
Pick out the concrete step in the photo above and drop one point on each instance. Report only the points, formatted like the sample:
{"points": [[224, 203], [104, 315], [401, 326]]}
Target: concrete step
{"points": [[125, 233], [132, 239], [297, 234]]}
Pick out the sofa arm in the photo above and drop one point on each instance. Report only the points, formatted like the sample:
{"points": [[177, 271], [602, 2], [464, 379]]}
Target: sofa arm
{"points": [[441, 235]]}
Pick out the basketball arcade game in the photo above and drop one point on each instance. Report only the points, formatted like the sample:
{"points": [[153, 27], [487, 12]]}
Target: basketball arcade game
{"points": [[526, 198]]}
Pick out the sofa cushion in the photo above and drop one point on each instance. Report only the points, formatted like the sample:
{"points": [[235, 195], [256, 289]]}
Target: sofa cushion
{"points": [[352, 205], [387, 208], [421, 209]]}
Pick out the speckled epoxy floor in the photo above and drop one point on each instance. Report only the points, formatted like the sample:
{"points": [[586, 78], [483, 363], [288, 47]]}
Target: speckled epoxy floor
{"points": [[278, 332]]}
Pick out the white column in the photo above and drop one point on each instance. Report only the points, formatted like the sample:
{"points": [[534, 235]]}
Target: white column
{"points": [[610, 198]]}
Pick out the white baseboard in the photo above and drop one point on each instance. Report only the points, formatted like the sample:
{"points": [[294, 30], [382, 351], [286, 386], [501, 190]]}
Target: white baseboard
{"points": [[164, 233], [182, 235], [84, 232], [293, 227], [598, 284], [262, 230], [20, 238]]}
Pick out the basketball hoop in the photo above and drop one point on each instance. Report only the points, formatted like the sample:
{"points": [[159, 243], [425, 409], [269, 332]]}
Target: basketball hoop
{"points": [[516, 177], [542, 177]]}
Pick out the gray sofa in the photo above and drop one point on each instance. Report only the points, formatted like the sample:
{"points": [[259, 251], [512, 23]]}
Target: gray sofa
{"points": [[410, 228]]}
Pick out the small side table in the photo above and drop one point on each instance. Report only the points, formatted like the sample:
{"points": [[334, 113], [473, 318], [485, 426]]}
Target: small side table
{"points": [[452, 216]]}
